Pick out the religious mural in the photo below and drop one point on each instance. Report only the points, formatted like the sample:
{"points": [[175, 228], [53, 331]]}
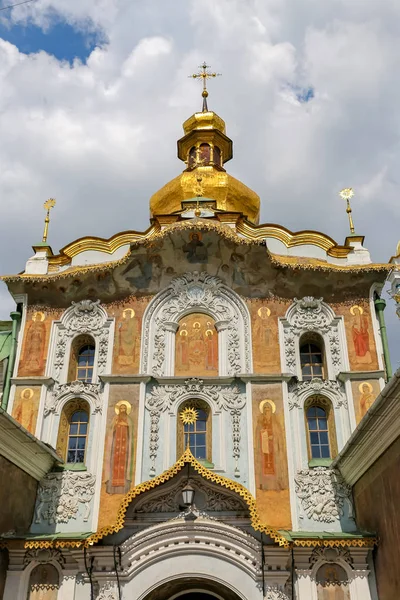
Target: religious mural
{"points": [[120, 449], [265, 340], [43, 583], [364, 394], [196, 346], [35, 341], [360, 336], [195, 249], [332, 583], [270, 456], [128, 330], [26, 406], [119, 468]]}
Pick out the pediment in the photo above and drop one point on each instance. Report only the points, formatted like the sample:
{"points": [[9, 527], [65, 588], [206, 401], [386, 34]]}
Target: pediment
{"points": [[210, 498]]}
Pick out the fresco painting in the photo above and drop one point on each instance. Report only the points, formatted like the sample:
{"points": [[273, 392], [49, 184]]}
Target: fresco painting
{"points": [[26, 406], [34, 346], [264, 317], [364, 394], [270, 456], [196, 346], [119, 449], [128, 329], [360, 336]]}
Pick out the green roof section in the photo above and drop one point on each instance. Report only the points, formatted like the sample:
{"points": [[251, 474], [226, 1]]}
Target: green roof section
{"points": [[324, 535], [48, 536]]}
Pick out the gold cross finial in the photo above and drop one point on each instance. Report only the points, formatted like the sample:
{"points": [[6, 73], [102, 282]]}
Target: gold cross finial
{"points": [[347, 194], [204, 74], [49, 204]]}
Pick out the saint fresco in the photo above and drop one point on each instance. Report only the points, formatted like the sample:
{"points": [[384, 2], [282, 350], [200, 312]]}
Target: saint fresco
{"points": [[33, 359], [119, 475], [196, 346], [25, 408]]}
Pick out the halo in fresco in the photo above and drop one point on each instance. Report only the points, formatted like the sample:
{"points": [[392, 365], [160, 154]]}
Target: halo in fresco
{"points": [[267, 401], [120, 403]]}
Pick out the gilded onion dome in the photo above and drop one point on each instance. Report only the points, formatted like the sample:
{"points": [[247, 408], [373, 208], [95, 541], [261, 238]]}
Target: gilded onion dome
{"points": [[205, 148]]}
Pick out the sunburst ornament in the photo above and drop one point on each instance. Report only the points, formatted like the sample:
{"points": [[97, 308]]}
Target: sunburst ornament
{"points": [[347, 193], [189, 415]]}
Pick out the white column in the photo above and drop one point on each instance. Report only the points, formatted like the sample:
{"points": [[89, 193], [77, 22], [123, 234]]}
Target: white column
{"points": [[170, 331], [14, 586], [67, 586], [359, 585], [222, 328], [305, 586]]}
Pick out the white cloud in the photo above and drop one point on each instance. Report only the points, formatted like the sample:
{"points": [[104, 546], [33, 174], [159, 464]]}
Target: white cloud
{"points": [[101, 136]]}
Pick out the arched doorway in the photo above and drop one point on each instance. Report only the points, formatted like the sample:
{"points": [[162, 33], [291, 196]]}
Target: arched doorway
{"points": [[192, 588]]}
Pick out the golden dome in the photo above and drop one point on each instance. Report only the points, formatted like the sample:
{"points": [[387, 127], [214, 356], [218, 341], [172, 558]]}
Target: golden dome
{"points": [[205, 148], [230, 194]]}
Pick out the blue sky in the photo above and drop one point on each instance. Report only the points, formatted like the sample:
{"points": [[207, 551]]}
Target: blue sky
{"points": [[59, 39], [309, 92]]}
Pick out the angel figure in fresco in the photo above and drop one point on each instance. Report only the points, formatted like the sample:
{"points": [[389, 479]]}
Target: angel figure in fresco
{"points": [[360, 335], [33, 361], [120, 461], [195, 248], [212, 347], [269, 436], [366, 397], [127, 337]]}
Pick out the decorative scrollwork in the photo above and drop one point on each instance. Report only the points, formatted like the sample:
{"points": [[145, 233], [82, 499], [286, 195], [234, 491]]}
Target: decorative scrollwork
{"points": [[60, 496], [299, 391], [322, 492], [68, 390], [306, 315], [163, 397], [197, 291]]}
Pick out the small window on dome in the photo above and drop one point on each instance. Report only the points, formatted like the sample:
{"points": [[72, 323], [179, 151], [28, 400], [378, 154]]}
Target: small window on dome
{"points": [[217, 156], [192, 157], [204, 152]]}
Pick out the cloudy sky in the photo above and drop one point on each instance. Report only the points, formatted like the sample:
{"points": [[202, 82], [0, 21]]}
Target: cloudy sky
{"points": [[93, 94]]}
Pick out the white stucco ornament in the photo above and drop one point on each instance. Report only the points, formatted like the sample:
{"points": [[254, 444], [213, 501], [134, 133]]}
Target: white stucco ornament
{"points": [[322, 493]]}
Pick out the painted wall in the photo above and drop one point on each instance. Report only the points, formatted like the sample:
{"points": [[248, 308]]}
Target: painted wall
{"points": [[26, 406], [270, 455], [120, 449]]}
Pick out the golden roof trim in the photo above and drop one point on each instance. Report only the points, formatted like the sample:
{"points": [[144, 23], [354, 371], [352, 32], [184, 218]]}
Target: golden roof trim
{"points": [[188, 458], [109, 246], [291, 239]]}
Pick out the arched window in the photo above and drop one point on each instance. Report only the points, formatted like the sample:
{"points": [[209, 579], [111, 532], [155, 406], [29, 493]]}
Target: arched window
{"points": [[312, 358], [217, 156], [81, 363], [204, 153], [77, 437], [194, 430], [332, 583], [84, 369], [320, 428], [43, 583], [196, 346], [73, 432], [192, 157]]}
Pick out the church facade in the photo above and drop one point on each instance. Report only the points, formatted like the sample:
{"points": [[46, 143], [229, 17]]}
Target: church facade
{"points": [[196, 381]]}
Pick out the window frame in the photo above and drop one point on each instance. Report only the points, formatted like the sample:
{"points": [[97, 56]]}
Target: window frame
{"points": [[88, 367], [326, 405], [63, 434], [312, 340], [197, 404]]}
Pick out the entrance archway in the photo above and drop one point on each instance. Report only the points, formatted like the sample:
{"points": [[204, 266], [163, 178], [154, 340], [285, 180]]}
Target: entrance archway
{"points": [[192, 588]]}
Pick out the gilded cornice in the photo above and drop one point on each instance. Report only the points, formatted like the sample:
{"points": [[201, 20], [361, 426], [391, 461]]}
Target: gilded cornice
{"points": [[244, 234], [93, 243], [291, 239]]}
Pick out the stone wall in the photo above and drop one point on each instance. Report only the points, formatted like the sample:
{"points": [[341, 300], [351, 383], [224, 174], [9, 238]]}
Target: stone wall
{"points": [[377, 497]]}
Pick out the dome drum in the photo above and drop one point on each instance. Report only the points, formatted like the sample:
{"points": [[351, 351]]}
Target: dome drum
{"points": [[213, 137]]}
